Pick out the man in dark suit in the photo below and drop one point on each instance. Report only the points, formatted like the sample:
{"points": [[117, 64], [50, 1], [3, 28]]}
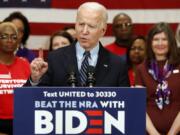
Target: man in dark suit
{"points": [[110, 70]]}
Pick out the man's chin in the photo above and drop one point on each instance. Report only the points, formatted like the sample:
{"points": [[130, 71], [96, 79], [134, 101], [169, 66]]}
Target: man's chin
{"points": [[84, 45]]}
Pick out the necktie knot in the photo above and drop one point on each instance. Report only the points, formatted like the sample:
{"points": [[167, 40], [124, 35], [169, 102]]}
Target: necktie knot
{"points": [[86, 54]]}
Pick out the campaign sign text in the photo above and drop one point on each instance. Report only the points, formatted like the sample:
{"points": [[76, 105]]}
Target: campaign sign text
{"points": [[79, 111]]}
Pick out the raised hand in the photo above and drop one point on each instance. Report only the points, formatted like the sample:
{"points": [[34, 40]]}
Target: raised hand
{"points": [[38, 67]]}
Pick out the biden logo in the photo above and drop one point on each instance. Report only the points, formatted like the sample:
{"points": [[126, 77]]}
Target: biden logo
{"points": [[79, 122]]}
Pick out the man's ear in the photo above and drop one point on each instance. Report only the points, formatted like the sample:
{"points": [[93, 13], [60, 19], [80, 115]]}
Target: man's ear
{"points": [[104, 30]]}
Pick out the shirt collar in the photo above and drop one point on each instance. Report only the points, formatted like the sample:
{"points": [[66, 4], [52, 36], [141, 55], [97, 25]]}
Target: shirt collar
{"points": [[80, 51]]}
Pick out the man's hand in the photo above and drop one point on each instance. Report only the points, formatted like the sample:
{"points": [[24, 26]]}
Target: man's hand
{"points": [[38, 67]]}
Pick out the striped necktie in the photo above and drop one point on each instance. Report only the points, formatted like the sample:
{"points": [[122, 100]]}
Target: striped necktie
{"points": [[84, 68]]}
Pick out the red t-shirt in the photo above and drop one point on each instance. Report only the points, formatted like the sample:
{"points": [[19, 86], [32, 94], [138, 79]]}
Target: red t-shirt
{"points": [[115, 49], [11, 76]]}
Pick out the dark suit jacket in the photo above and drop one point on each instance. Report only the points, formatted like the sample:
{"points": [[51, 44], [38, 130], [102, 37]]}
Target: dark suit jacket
{"points": [[109, 71]]}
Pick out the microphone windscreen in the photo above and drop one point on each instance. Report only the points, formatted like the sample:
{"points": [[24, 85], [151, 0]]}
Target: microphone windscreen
{"points": [[91, 69], [72, 81]]}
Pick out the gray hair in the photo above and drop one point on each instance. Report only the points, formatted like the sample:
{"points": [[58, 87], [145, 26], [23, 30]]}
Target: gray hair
{"points": [[97, 7]]}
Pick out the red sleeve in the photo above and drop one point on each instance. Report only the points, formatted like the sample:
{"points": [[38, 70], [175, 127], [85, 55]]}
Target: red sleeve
{"points": [[26, 66], [139, 74]]}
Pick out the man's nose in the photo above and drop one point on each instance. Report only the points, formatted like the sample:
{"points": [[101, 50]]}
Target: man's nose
{"points": [[85, 29]]}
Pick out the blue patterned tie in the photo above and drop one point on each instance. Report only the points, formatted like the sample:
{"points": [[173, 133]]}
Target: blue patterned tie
{"points": [[84, 68]]}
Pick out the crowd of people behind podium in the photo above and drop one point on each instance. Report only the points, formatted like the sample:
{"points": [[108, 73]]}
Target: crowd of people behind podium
{"points": [[152, 61]]}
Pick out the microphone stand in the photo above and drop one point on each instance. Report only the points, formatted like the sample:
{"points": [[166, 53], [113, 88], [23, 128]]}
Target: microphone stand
{"points": [[72, 81], [91, 76]]}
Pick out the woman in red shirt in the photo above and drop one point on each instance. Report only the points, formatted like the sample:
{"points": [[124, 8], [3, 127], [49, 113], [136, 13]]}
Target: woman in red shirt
{"points": [[14, 72], [135, 55]]}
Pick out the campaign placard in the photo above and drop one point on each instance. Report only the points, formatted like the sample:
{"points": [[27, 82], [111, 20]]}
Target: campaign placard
{"points": [[79, 111]]}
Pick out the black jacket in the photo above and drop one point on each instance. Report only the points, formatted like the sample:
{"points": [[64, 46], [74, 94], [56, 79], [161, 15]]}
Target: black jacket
{"points": [[110, 70]]}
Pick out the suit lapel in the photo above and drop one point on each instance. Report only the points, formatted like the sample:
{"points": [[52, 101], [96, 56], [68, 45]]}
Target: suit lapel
{"points": [[71, 60], [102, 66]]}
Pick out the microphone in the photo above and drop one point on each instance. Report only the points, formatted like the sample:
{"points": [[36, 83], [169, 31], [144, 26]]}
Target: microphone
{"points": [[72, 81], [91, 76]]}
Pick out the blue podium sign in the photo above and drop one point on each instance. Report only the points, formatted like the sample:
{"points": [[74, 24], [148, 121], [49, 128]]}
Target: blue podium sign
{"points": [[79, 111]]}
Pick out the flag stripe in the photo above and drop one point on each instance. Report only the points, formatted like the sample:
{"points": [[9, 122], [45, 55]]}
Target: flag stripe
{"points": [[49, 28], [69, 15], [121, 4]]}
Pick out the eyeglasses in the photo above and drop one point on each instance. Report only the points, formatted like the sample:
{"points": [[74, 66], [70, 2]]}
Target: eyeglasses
{"points": [[7, 37], [137, 48], [123, 25]]}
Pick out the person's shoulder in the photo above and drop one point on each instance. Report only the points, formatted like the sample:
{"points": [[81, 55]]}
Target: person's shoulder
{"points": [[23, 65], [115, 58], [109, 46], [22, 61]]}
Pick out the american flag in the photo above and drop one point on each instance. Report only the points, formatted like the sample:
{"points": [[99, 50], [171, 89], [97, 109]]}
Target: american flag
{"points": [[47, 16]]}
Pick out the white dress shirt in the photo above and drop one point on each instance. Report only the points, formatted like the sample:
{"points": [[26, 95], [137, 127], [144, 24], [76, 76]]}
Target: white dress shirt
{"points": [[93, 55]]}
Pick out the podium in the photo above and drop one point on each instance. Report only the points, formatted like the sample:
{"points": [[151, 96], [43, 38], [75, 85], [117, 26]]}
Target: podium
{"points": [[81, 111]]}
